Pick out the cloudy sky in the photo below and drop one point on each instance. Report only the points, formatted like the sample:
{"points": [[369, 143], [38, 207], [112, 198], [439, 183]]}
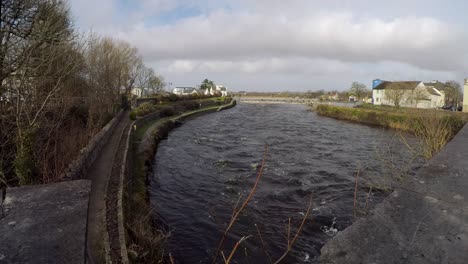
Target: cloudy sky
{"points": [[295, 45]]}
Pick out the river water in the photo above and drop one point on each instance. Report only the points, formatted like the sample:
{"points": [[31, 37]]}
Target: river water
{"points": [[206, 164]]}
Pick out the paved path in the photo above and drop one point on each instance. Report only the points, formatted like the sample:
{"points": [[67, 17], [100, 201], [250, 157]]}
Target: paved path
{"points": [[99, 174]]}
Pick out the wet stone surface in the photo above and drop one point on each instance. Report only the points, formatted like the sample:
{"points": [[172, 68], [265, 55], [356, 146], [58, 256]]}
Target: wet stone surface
{"points": [[45, 223]]}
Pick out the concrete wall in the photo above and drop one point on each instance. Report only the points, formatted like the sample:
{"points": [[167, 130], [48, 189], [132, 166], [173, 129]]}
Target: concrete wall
{"points": [[465, 96], [45, 223], [78, 168]]}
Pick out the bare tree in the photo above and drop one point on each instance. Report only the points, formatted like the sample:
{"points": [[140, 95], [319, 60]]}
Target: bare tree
{"points": [[35, 58], [113, 68], [416, 96], [144, 78], [395, 96], [358, 89], [56, 89], [453, 92]]}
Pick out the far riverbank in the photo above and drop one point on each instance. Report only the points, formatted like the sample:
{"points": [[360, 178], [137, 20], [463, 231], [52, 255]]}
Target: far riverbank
{"points": [[433, 127]]}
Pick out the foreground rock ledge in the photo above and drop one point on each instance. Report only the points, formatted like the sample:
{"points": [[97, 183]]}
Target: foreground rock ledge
{"points": [[425, 221], [45, 223]]}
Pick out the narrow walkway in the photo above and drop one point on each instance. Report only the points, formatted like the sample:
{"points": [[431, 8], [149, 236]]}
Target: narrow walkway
{"points": [[99, 174]]}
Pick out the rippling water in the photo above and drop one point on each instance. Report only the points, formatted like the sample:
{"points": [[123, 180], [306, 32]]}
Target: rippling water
{"points": [[203, 167]]}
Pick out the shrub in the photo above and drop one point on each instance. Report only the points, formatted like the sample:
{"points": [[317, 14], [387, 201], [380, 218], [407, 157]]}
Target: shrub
{"points": [[166, 111], [191, 105], [144, 109], [172, 97]]}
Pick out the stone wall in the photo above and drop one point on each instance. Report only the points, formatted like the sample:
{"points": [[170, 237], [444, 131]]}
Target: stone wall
{"points": [[78, 168]]}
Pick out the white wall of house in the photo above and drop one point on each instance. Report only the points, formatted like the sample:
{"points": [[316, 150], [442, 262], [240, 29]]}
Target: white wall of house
{"points": [[426, 99], [138, 92], [378, 96], [178, 91]]}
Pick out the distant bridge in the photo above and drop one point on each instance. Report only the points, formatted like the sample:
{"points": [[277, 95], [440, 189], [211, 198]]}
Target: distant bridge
{"points": [[275, 100]]}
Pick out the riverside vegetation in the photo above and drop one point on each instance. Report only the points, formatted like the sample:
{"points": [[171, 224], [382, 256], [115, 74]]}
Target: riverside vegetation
{"points": [[433, 128]]}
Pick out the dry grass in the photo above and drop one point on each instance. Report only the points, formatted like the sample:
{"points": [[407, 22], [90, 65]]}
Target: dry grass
{"points": [[433, 132], [146, 242]]}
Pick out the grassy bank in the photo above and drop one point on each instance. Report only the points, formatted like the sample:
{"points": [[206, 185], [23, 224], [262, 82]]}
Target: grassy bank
{"points": [[145, 240], [434, 128]]}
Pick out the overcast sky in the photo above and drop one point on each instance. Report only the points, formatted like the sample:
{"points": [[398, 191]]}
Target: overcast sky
{"points": [[295, 45]]}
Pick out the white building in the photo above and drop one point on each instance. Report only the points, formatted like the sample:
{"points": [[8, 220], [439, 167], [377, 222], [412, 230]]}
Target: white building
{"points": [[465, 96], [218, 88], [409, 94], [184, 90], [139, 92]]}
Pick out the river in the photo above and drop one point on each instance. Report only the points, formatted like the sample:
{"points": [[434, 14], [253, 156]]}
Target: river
{"points": [[204, 165]]}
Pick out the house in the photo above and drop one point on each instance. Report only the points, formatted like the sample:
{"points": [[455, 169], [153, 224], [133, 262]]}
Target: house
{"points": [[185, 91], [330, 96], [446, 89], [415, 94], [465, 96], [139, 92], [221, 89]]}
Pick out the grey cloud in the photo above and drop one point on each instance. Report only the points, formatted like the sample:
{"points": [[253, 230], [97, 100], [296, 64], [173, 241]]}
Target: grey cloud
{"points": [[423, 42], [298, 44]]}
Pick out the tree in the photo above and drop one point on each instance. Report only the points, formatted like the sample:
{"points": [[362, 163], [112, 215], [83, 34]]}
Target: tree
{"points": [[358, 90], [144, 77], [453, 93], [207, 84], [395, 96], [416, 96], [157, 84], [38, 55]]}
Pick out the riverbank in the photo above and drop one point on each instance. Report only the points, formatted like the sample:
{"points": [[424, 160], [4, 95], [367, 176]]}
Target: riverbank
{"points": [[145, 241], [434, 128]]}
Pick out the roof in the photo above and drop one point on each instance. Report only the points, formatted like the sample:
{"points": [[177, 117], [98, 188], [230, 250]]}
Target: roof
{"points": [[439, 86], [432, 91], [408, 85]]}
